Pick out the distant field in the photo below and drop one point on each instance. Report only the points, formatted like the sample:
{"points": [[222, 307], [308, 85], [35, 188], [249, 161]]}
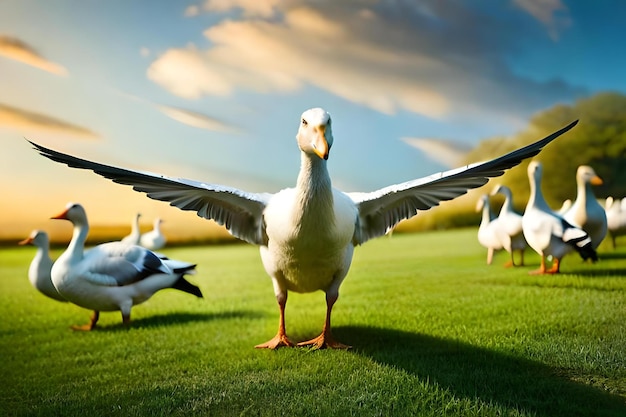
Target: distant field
{"points": [[434, 332]]}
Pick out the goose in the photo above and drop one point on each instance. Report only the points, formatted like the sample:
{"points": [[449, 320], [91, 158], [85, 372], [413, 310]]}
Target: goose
{"points": [[135, 233], [154, 239], [41, 265], [112, 276], [307, 234], [548, 233], [616, 218], [586, 212], [510, 224], [489, 228]]}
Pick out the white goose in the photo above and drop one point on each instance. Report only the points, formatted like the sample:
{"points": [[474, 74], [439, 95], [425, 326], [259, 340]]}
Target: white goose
{"points": [[154, 239], [41, 265], [112, 276], [307, 234], [586, 212], [510, 224], [489, 228], [547, 232], [616, 218], [135, 232]]}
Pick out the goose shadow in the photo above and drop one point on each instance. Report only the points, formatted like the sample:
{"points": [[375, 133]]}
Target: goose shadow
{"points": [[478, 373], [177, 318]]}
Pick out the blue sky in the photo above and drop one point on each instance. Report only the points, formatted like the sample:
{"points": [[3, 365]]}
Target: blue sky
{"points": [[213, 89]]}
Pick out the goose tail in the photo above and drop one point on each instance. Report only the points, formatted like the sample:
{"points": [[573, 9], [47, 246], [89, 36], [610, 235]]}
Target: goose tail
{"points": [[580, 240], [182, 284]]}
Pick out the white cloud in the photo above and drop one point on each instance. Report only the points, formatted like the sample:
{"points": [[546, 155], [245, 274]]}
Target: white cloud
{"points": [[436, 61], [195, 119], [546, 12], [306, 49], [447, 153], [192, 10], [18, 50], [264, 8]]}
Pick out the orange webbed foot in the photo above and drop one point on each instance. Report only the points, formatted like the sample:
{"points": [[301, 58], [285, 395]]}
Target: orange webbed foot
{"points": [[324, 341], [280, 340]]}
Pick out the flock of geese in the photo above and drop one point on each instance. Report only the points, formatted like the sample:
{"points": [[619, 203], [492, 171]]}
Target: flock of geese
{"points": [[306, 234], [153, 240], [580, 226], [112, 276]]}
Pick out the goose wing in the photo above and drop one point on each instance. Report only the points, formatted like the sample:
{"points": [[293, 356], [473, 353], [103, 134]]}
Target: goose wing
{"points": [[119, 264], [381, 210], [239, 211]]}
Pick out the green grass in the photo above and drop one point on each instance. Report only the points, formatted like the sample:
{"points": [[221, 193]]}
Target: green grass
{"points": [[435, 332]]}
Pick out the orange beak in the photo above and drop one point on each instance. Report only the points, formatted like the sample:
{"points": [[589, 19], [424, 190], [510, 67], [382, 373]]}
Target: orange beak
{"points": [[26, 241], [320, 145], [61, 216], [596, 181]]}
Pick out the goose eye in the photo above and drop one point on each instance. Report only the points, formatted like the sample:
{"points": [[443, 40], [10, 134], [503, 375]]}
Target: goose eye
{"points": [[304, 122]]}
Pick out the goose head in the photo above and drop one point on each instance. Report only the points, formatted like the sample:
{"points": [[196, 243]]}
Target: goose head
{"points": [[586, 175], [501, 189], [482, 202], [37, 238], [73, 212], [315, 136]]}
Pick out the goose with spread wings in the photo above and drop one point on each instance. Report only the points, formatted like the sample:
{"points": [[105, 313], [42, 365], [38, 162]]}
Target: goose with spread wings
{"points": [[307, 234]]}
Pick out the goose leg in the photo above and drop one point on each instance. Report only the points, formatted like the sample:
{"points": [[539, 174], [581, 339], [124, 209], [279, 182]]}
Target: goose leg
{"points": [[511, 262], [326, 339], [92, 323], [281, 338], [542, 267], [556, 267]]}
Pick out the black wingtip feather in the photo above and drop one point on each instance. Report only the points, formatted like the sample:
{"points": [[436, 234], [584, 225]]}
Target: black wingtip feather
{"points": [[182, 284]]}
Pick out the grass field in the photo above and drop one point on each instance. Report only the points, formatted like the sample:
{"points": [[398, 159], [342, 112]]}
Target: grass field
{"points": [[434, 332]]}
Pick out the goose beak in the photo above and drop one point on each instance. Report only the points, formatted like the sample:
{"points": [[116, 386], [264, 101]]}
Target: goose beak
{"points": [[61, 216], [26, 241], [596, 180], [320, 144]]}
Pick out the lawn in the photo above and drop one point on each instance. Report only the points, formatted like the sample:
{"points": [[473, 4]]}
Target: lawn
{"points": [[434, 330]]}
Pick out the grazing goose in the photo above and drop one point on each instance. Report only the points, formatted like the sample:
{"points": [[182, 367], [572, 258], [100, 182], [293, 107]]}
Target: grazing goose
{"points": [[112, 276], [307, 234], [489, 228], [510, 224], [154, 239], [547, 232], [135, 233], [41, 265], [586, 212], [616, 218]]}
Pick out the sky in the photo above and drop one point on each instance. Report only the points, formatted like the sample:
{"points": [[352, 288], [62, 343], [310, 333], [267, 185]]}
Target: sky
{"points": [[213, 90]]}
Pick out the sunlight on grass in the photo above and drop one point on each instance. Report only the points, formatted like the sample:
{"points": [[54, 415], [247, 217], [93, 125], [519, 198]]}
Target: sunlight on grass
{"points": [[434, 330]]}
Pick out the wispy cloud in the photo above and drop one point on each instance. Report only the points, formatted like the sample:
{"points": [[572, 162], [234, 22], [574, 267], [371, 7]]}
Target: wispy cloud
{"points": [[447, 153], [185, 116], [436, 59], [18, 50], [264, 8], [551, 13], [195, 119], [192, 10], [24, 120]]}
